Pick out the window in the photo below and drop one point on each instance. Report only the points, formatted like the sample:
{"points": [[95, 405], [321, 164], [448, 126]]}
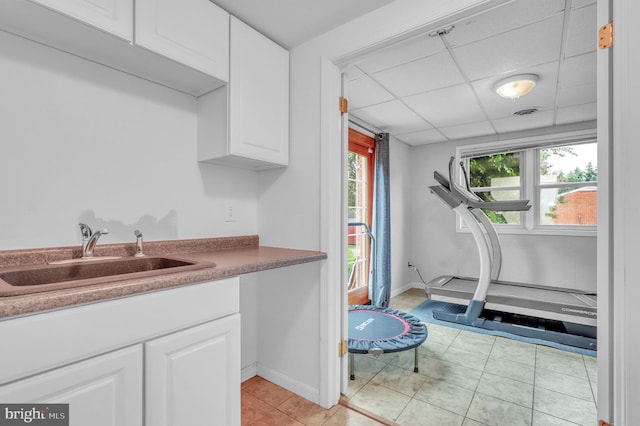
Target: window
{"points": [[560, 178]]}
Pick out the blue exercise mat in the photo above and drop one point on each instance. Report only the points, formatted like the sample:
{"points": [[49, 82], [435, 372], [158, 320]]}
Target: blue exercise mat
{"points": [[424, 312]]}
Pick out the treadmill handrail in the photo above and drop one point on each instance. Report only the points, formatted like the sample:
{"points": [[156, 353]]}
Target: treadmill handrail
{"points": [[472, 200]]}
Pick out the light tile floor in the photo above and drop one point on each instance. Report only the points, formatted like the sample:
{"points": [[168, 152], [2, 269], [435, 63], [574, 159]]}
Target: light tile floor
{"points": [[473, 379], [267, 404]]}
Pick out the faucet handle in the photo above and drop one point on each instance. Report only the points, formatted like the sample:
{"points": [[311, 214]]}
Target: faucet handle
{"points": [[138, 235], [85, 230]]}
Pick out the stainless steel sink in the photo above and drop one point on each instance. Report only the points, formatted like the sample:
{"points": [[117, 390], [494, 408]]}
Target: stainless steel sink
{"points": [[33, 279]]}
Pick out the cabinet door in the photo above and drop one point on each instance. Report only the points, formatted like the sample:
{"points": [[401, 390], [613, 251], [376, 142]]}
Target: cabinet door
{"points": [[113, 16], [259, 96], [193, 376], [192, 32], [102, 391]]}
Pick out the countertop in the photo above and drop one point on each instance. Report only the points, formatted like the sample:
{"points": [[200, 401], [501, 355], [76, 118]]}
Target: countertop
{"points": [[216, 258]]}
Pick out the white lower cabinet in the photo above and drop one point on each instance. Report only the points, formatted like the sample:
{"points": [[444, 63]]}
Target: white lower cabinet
{"points": [[165, 358], [101, 391], [192, 376]]}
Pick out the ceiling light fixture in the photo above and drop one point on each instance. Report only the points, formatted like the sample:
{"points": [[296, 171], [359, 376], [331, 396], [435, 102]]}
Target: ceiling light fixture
{"points": [[516, 86]]}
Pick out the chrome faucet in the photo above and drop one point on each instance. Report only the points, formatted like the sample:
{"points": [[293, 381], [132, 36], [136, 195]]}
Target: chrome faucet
{"points": [[138, 235], [90, 239]]}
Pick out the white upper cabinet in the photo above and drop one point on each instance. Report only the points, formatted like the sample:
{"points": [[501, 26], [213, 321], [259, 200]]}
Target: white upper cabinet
{"points": [[182, 44], [259, 100], [112, 16], [246, 124], [192, 32]]}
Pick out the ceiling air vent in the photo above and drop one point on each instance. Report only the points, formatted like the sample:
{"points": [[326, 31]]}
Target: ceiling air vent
{"points": [[527, 111]]}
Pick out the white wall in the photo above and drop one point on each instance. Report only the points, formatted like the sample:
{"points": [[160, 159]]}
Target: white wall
{"points": [[83, 142], [402, 230], [437, 249], [291, 201]]}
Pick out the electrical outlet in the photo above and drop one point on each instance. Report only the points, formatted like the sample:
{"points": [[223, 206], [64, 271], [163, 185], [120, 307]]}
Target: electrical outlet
{"points": [[229, 214]]}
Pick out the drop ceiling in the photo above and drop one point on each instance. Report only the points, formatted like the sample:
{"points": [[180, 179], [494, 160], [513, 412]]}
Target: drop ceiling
{"points": [[434, 88]]}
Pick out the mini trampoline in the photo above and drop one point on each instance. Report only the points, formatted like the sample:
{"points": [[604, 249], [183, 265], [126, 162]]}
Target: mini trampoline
{"points": [[376, 330]]}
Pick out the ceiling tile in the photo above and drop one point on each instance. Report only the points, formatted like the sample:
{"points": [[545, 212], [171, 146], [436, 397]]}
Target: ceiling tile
{"points": [[393, 117], [578, 70], [515, 123], [582, 36], [502, 19], [543, 95], [419, 76], [401, 53], [576, 95], [468, 130], [364, 92], [447, 107], [581, 3], [577, 113], [422, 137], [524, 47]]}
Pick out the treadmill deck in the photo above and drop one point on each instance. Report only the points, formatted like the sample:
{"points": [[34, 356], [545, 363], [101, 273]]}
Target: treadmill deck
{"points": [[546, 302]]}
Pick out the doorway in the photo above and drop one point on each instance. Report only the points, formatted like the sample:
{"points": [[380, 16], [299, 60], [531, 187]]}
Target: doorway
{"points": [[428, 133], [360, 163]]}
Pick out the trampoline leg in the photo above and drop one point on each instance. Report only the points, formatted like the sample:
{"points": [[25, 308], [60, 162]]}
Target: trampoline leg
{"points": [[352, 375], [415, 361]]}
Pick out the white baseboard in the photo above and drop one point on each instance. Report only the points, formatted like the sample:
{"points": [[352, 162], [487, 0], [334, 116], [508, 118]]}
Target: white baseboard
{"points": [[288, 383], [248, 372], [406, 287]]}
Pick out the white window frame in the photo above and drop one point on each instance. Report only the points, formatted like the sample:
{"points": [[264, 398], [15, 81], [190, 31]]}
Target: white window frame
{"points": [[529, 185]]}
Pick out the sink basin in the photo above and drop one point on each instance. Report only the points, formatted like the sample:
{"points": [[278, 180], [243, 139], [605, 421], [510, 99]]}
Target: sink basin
{"points": [[33, 279]]}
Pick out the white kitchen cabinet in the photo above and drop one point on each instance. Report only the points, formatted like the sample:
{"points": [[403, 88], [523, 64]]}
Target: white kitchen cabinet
{"points": [[113, 16], [92, 357], [101, 391], [193, 376], [183, 45], [192, 32], [246, 123]]}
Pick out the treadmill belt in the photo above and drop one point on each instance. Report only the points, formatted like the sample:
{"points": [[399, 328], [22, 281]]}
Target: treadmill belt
{"points": [[520, 298]]}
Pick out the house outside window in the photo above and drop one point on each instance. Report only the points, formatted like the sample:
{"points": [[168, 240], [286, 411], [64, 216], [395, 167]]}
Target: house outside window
{"points": [[559, 177]]}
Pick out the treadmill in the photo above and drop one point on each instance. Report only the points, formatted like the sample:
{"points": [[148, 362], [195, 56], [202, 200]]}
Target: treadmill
{"points": [[556, 314]]}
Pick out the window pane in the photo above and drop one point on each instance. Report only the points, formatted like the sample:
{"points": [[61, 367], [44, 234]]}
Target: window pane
{"points": [[357, 188], [569, 206], [495, 170], [507, 218], [570, 163], [358, 239]]}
